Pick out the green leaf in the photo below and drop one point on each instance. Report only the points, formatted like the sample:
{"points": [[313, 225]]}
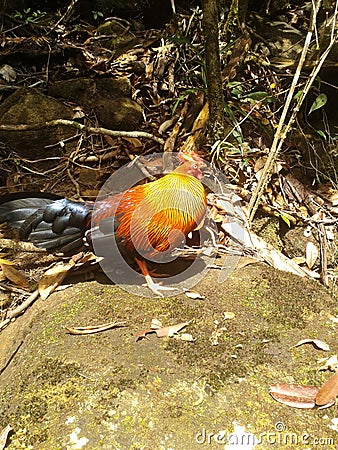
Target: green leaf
{"points": [[298, 94], [318, 103], [321, 133], [286, 220], [260, 95]]}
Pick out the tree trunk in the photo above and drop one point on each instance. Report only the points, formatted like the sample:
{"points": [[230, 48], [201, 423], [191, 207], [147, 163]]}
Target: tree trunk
{"points": [[213, 69]]}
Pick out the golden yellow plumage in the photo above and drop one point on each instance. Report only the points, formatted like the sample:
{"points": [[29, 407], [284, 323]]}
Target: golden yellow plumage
{"points": [[157, 216]]}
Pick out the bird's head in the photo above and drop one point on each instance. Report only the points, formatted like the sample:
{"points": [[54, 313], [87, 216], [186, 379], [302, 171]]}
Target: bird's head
{"points": [[191, 164]]}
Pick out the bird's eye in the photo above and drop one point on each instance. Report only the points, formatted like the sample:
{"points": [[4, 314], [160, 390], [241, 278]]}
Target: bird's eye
{"points": [[195, 166]]}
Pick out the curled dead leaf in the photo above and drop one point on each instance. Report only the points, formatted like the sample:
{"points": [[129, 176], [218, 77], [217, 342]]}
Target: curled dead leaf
{"points": [[91, 329], [14, 275], [170, 331], [53, 277], [317, 343], [194, 295], [294, 395], [328, 392], [4, 436]]}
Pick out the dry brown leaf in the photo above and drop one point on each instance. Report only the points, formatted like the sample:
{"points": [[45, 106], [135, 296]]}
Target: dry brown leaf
{"points": [[259, 164], [312, 254], [134, 141], [14, 275], [4, 436], [161, 331], [294, 395], [320, 345], [53, 277], [328, 392], [311, 273], [91, 329], [171, 330], [164, 127], [143, 334]]}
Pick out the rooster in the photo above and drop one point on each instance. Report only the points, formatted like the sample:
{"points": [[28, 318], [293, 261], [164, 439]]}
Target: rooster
{"points": [[149, 220]]}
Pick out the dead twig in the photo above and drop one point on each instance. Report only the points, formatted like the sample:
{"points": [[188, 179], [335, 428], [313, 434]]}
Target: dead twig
{"points": [[17, 311], [65, 16], [323, 253], [82, 128]]}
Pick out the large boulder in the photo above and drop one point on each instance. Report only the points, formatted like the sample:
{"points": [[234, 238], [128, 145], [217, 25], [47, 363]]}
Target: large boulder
{"points": [[109, 98], [29, 107]]}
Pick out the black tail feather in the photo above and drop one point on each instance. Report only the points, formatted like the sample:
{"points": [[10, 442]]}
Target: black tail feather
{"points": [[47, 220]]}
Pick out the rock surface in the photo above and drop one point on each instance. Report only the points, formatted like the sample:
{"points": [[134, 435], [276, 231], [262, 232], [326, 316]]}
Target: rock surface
{"points": [[109, 391], [29, 107]]}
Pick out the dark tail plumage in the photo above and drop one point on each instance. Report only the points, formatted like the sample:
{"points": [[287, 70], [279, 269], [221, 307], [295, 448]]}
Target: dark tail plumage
{"points": [[47, 220]]}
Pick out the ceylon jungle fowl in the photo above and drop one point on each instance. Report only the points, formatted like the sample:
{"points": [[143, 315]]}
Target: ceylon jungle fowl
{"points": [[148, 218]]}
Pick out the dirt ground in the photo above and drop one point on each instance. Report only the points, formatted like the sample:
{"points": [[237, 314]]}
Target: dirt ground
{"points": [[109, 391]]}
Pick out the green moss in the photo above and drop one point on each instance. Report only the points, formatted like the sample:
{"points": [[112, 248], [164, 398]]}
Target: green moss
{"points": [[122, 394]]}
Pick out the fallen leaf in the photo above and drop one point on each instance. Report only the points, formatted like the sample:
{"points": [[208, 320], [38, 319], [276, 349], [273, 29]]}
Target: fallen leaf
{"points": [[134, 141], [4, 436], [8, 73], [320, 345], [294, 395], [14, 275], [277, 259], [91, 329], [328, 392], [310, 273], [161, 331], [311, 254], [53, 277], [246, 261], [143, 334], [171, 330], [228, 315], [194, 295], [184, 337], [330, 363], [155, 323]]}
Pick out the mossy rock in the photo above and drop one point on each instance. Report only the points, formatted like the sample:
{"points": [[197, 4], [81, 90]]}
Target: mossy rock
{"points": [[109, 390]]}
